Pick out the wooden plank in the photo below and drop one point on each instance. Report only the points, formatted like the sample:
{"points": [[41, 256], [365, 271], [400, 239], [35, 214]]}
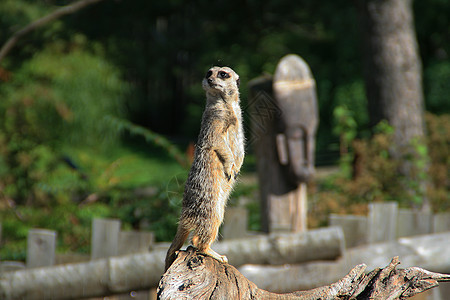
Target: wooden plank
{"points": [[41, 244], [382, 222], [105, 238], [354, 228]]}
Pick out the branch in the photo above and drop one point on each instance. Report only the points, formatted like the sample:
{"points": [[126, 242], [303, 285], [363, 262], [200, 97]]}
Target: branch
{"points": [[65, 10], [194, 276], [427, 251]]}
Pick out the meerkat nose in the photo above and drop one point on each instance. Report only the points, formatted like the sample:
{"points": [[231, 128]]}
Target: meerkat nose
{"points": [[210, 80]]}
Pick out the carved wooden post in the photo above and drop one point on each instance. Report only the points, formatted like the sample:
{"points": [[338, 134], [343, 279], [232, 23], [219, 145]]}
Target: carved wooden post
{"points": [[284, 118]]}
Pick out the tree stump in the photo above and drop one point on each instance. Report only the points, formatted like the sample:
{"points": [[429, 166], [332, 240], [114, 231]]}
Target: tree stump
{"points": [[195, 276]]}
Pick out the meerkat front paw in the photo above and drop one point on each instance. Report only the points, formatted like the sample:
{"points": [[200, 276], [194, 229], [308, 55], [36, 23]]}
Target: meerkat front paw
{"points": [[228, 171]]}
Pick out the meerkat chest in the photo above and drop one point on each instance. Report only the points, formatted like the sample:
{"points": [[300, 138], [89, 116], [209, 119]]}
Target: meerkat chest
{"points": [[238, 135]]}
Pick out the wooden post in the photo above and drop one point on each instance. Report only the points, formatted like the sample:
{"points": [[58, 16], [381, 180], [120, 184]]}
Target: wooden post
{"points": [[382, 222], [284, 118], [105, 238], [441, 222], [410, 223], [354, 227], [235, 223], [41, 244], [135, 241], [299, 222]]}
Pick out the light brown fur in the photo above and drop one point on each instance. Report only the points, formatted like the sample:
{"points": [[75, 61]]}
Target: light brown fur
{"points": [[218, 157]]}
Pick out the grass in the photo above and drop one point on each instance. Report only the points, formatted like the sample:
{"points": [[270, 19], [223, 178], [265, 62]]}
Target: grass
{"points": [[126, 167]]}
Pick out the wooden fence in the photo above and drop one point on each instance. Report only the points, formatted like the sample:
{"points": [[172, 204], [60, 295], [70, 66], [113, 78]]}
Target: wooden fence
{"points": [[106, 240], [385, 222]]}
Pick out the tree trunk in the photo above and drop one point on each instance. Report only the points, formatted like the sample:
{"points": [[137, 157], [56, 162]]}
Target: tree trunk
{"points": [[393, 78], [194, 276]]}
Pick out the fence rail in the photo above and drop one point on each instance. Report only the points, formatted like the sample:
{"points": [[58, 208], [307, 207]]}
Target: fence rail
{"points": [[385, 222]]}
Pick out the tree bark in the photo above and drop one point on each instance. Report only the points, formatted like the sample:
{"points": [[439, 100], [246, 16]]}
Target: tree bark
{"points": [[393, 76], [194, 276], [65, 10]]}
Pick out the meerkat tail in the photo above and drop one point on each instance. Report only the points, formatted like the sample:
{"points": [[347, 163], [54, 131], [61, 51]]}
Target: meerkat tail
{"points": [[178, 241]]}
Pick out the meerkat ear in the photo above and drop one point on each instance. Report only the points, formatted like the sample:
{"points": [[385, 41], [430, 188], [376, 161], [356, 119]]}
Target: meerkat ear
{"points": [[238, 82]]}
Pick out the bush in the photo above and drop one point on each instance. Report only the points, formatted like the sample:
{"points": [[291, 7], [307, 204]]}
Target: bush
{"points": [[55, 101], [369, 173]]}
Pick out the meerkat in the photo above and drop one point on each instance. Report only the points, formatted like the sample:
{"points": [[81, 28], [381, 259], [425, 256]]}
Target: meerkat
{"points": [[218, 157]]}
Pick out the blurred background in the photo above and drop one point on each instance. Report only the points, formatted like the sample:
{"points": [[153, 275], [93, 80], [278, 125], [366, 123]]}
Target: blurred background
{"points": [[99, 110]]}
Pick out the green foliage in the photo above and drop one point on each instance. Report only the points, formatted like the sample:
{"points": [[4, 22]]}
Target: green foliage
{"points": [[352, 96], [55, 100], [143, 209], [375, 175], [66, 106], [150, 137], [346, 128], [438, 140], [345, 125], [437, 89], [64, 94], [71, 222]]}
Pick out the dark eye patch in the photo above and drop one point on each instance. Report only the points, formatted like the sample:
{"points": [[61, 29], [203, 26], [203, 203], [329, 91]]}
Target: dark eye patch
{"points": [[223, 75], [209, 74]]}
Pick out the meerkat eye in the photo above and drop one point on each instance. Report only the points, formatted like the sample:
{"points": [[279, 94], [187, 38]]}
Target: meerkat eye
{"points": [[209, 74], [223, 75]]}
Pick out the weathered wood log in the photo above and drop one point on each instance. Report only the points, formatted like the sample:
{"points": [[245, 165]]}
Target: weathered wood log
{"points": [[431, 252], [115, 275], [195, 276], [285, 248], [102, 277]]}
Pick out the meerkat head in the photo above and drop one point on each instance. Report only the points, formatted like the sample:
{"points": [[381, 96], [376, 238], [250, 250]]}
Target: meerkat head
{"points": [[221, 81]]}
